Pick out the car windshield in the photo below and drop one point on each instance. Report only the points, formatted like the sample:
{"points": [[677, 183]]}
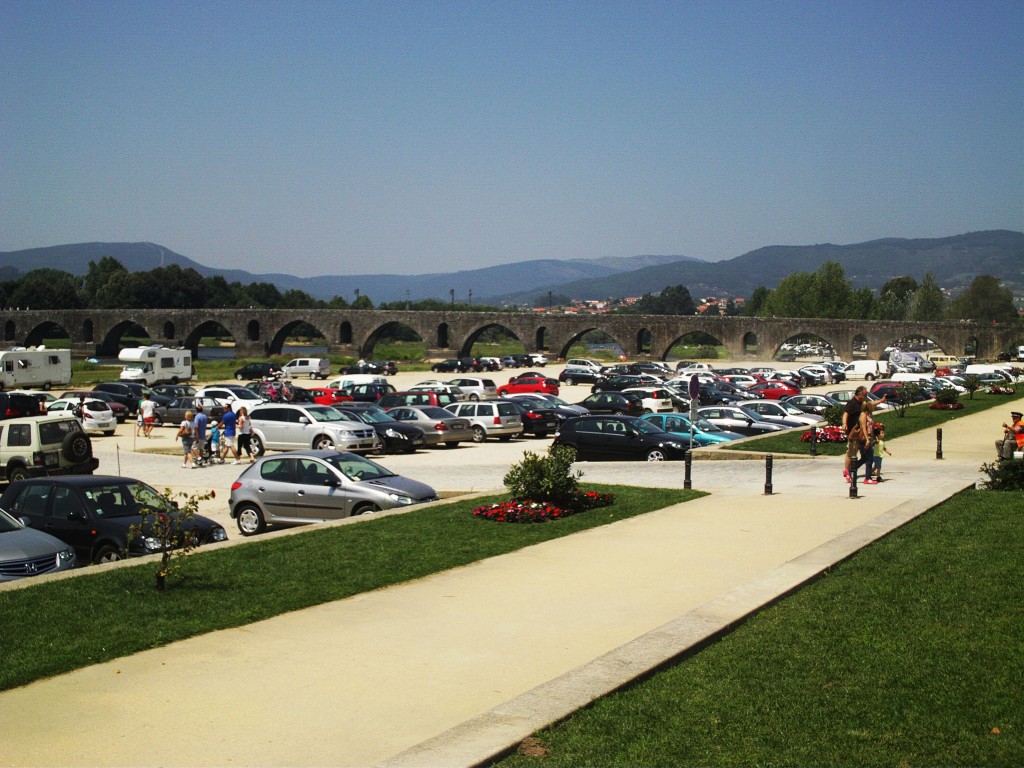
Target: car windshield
{"points": [[433, 412], [327, 413], [8, 523], [121, 499], [646, 427], [371, 416], [791, 409], [357, 468]]}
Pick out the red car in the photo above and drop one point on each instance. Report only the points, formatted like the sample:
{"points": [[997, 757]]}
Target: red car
{"points": [[328, 396], [774, 390], [529, 384]]}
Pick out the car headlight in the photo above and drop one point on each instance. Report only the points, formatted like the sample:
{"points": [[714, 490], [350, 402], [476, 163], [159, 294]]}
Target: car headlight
{"points": [[676, 446], [152, 544], [66, 557], [399, 499], [393, 433], [219, 534]]}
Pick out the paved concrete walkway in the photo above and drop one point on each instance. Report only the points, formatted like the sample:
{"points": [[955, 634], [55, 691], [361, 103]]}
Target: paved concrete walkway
{"points": [[454, 668]]}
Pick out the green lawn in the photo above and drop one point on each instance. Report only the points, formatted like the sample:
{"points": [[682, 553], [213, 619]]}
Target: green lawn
{"points": [[915, 418], [911, 653], [54, 627]]}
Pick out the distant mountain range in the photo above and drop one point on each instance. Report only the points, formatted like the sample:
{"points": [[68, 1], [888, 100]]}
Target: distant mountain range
{"points": [[954, 261]]}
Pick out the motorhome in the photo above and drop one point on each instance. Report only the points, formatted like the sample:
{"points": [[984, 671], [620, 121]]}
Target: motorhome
{"points": [[29, 367], [156, 364]]}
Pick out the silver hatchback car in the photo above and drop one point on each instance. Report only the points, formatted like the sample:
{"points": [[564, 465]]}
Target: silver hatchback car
{"points": [[302, 487]]}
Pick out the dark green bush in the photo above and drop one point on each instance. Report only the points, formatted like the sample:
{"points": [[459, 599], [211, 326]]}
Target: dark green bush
{"points": [[545, 478], [1006, 475], [833, 415], [947, 396]]}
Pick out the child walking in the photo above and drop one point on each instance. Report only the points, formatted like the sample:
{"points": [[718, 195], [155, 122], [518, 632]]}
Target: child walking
{"points": [[215, 443], [880, 448]]}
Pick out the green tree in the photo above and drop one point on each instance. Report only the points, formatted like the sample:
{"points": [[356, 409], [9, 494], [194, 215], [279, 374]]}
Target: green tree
{"points": [[928, 301], [362, 302], [47, 289], [985, 301], [754, 305], [100, 285], [673, 300], [894, 299], [791, 297]]}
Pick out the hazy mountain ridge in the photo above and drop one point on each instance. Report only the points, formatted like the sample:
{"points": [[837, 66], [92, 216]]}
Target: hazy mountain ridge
{"points": [[954, 261]]}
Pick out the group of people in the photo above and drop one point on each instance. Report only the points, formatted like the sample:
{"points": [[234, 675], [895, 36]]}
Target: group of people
{"points": [[865, 439], [232, 435]]}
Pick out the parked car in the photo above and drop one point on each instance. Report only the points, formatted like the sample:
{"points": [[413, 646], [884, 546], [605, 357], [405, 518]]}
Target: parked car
{"points": [[232, 394], [301, 487], [476, 388], [517, 385], [613, 402], [174, 390], [810, 403], [704, 432], [367, 393], [258, 370], [42, 399], [618, 438], [13, 405], [451, 365], [494, 418], [328, 396], [129, 393], [491, 363], [738, 419], [287, 427], [173, 413], [26, 552], [54, 444], [395, 436], [560, 404], [376, 367], [510, 361], [440, 386], [120, 411], [562, 409], [313, 367], [775, 390], [620, 382], [417, 397], [580, 376], [843, 396], [440, 427], [94, 514], [539, 419], [781, 413], [896, 391], [653, 399], [95, 414]]}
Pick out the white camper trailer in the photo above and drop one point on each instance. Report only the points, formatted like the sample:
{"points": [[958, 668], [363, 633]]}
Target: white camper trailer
{"points": [[156, 364], [25, 368]]}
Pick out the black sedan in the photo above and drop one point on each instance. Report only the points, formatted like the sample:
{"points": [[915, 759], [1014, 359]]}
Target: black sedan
{"points": [[259, 370], [174, 412], [614, 402], [618, 438], [539, 419], [93, 514], [396, 436]]}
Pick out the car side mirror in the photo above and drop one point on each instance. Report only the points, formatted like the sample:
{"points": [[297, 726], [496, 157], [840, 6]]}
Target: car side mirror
{"points": [[303, 420]]}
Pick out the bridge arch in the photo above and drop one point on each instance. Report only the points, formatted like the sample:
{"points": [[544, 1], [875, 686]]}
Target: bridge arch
{"points": [[46, 330], [111, 342], [206, 329], [366, 347]]}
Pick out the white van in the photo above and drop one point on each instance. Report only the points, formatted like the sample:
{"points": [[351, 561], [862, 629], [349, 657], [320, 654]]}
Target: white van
{"points": [[314, 367], [156, 364], [868, 370], [22, 367], [983, 369], [901, 376]]}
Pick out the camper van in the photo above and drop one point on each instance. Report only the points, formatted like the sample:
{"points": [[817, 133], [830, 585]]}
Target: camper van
{"points": [[25, 368], [156, 364]]}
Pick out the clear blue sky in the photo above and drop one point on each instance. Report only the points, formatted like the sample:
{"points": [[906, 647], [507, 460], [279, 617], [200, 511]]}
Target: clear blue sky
{"points": [[409, 137]]}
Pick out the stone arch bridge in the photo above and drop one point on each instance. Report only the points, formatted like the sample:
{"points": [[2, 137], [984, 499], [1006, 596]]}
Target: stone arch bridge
{"points": [[259, 332]]}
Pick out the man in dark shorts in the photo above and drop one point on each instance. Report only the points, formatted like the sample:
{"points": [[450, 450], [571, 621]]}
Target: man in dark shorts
{"points": [[851, 416]]}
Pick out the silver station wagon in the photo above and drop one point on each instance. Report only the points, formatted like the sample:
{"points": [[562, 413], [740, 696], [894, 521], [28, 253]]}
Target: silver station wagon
{"points": [[289, 427], [302, 487]]}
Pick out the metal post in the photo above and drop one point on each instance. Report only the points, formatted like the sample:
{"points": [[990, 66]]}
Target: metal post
{"points": [[854, 468], [768, 475], [814, 441], [687, 484], [938, 442]]}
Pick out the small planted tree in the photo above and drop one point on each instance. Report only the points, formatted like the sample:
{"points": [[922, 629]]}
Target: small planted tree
{"points": [[169, 525], [972, 384]]}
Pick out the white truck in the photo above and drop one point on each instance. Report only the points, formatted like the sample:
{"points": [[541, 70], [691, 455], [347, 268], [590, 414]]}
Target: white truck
{"points": [[156, 364], [26, 368]]}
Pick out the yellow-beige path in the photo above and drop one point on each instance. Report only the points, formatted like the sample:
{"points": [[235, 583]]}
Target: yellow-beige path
{"points": [[454, 668]]}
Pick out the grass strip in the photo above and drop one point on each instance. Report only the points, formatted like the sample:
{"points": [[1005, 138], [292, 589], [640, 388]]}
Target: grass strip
{"points": [[909, 653], [55, 627], [915, 418]]}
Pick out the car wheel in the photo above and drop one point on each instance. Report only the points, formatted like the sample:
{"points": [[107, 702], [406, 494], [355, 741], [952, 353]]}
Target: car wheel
{"points": [[238, 376], [77, 447], [109, 432], [504, 438], [323, 443], [502, 392], [250, 520], [870, 377], [362, 509], [656, 454], [107, 554], [17, 473], [258, 448], [479, 434], [474, 396], [570, 380], [46, 386]]}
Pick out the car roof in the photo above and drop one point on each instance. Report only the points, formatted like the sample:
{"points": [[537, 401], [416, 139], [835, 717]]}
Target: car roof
{"points": [[80, 481]]}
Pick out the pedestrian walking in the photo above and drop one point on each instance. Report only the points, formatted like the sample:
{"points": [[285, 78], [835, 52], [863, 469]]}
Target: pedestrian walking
{"points": [[851, 421], [867, 451], [244, 427], [185, 435], [876, 470], [215, 443], [229, 425], [147, 410], [199, 435]]}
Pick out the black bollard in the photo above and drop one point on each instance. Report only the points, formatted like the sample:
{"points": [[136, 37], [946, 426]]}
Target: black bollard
{"points": [[768, 475], [814, 441], [938, 442], [854, 467], [687, 484]]}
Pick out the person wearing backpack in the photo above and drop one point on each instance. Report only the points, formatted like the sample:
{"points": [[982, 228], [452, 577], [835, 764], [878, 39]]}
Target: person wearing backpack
{"points": [[185, 435]]}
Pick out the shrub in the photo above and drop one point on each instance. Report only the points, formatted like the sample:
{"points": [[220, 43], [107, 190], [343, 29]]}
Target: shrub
{"points": [[947, 396], [1006, 475], [833, 415], [972, 383], [545, 478]]}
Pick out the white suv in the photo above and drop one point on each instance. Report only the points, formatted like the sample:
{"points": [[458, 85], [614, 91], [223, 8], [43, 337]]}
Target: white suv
{"points": [[36, 446]]}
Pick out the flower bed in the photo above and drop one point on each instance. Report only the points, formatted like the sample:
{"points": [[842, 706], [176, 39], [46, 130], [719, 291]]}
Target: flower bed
{"points": [[526, 511], [937, 406], [997, 390], [825, 435]]}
